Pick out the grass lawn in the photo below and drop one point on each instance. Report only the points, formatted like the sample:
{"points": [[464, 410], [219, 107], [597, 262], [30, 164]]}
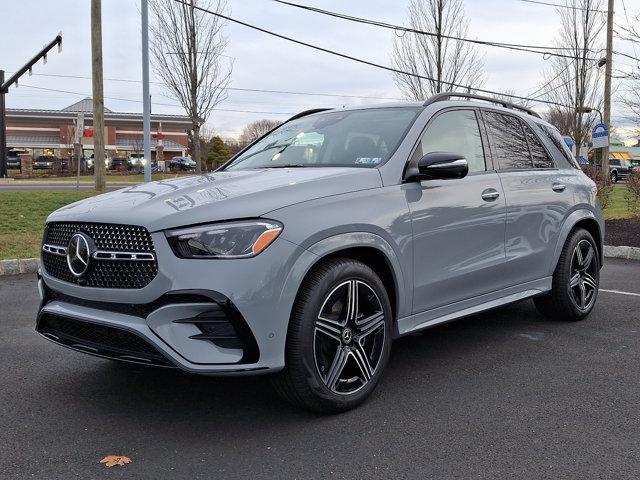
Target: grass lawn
{"points": [[22, 216], [137, 178], [617, 204]]}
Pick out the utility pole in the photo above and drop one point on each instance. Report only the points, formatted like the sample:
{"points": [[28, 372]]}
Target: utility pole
{"points": [[4, 88], [98, 95], [607, 86], [146, 98], [3, 130]]}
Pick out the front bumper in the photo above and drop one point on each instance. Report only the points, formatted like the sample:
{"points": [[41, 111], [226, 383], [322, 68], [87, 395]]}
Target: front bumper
{"points": [[181, 316]]}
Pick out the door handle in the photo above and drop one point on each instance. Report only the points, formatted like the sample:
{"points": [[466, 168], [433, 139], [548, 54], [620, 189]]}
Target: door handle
{"points": [[490, 194], [558, 187]]}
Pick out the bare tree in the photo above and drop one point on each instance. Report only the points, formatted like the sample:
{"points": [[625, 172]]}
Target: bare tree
{"points": [[256, 129], [445, 60], [507, 96], [575, 81], [187, 45], [630, 97], [562, 119]]}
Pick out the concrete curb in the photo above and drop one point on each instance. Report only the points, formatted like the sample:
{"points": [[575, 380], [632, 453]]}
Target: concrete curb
{"points": [[630, 253], [31, 265], [18, 266]]}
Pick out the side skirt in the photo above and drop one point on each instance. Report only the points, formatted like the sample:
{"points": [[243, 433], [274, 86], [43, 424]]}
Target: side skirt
{"points": [[472, 306]]}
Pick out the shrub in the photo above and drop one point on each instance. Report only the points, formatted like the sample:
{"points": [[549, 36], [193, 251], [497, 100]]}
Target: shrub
{"points": [[603, 183], [632, 195]]}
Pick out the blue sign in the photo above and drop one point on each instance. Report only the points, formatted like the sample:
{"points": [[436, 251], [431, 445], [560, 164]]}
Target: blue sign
{"points": [[600, 130], [600, 136]]}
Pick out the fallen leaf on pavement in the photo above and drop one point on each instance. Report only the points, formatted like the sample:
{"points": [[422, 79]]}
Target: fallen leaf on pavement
{"points": [[112, 460]]}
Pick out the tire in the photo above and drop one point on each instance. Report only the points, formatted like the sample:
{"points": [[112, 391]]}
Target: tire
{"points": [[575, 275], [357, 340], [614, 177]]}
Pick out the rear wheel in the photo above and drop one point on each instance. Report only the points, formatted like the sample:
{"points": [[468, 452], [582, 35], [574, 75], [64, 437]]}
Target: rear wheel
{"points": [[614, 177], [575, 280], [339, 338]]}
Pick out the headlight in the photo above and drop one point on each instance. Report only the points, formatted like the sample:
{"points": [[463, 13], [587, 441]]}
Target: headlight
{"points": [[224, 240]]}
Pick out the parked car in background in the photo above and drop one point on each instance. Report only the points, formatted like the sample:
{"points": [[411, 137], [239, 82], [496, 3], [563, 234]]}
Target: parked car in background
{"points": [[91, 161], [619, 169], [308, 253], [137, 161], [182, 164], [46, 162], [13, 160], [119, 163]]}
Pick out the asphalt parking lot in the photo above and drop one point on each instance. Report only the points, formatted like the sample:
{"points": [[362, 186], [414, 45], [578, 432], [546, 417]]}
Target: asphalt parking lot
{"points": [[498, 395]]}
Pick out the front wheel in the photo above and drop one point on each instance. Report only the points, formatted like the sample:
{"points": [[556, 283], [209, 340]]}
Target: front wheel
{"points": [[339, 338], [614, 177], [575, 280]]}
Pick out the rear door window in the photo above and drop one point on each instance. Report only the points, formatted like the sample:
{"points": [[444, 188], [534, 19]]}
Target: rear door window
{"points": [[553, 135], [509, 144], [539, 154]]}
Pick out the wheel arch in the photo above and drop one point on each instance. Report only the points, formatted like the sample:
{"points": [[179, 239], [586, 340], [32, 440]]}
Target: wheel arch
{"points": [[370, 249], [580, 219]]}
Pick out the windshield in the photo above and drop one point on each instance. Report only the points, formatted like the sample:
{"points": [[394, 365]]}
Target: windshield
{"points": [[358, 138]]}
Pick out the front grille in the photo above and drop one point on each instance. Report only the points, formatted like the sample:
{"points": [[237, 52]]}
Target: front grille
{"points": [[107, 237], [100, 339]]}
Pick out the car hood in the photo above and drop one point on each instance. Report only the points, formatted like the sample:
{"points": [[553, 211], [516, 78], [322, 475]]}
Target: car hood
{"points": [[216, 196]]}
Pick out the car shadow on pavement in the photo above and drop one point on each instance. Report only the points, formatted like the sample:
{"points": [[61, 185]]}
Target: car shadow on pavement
{"points": [[155, 394]]}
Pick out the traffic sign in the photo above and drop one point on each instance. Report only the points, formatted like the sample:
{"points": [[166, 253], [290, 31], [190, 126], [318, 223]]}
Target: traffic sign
{"points": [[600, 136]]}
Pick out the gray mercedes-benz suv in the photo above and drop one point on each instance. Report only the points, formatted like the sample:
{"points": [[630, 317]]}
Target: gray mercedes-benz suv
{"points": [[312, 249]]}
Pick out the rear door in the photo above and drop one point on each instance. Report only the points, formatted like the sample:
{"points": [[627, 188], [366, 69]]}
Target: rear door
{"points": [[538, 196], [458, 225]]}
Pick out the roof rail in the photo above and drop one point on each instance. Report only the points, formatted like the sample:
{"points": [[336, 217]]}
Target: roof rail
{"points": [[439, 97]]}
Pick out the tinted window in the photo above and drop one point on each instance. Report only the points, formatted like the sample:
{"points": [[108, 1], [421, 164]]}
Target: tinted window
{"points": [[615, 162], [456, 131], [541, 158], [558, 142], [358, 138], [509, 144]]}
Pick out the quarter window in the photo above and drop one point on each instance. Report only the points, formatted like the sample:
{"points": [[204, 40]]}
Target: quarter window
{"points": [[541, 158], [509, 144], [455, 131]]}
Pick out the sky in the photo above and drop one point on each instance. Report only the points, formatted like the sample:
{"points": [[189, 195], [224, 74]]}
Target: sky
{"points": [[264, 62]]}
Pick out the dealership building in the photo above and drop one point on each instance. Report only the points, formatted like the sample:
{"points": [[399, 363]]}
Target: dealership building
{"points": [[53, 132]]}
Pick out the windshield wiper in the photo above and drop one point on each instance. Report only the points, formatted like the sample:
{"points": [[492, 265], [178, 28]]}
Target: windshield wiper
{"points": [[288, 165]]}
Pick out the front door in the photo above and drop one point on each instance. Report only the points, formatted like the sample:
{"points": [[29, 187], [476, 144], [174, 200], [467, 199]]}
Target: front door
{"points": [[458, 225]]}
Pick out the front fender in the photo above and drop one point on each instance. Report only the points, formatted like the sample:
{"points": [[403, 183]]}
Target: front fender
{"points": [[330, 245]]}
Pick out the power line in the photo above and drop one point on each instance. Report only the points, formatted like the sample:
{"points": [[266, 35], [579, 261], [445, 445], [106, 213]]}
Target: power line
{"points": [[627, 56], [359, 60], [390, 26], [154, 103], [559, 5], [257, 90], [551, 81]]}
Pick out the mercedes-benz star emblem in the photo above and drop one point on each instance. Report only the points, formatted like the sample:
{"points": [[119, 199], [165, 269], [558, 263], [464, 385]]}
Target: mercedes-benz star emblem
{"points": [[79, 254]]}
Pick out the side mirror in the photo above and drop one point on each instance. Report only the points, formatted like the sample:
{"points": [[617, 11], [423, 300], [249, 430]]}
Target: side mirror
{"points": [[442, 166]]}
